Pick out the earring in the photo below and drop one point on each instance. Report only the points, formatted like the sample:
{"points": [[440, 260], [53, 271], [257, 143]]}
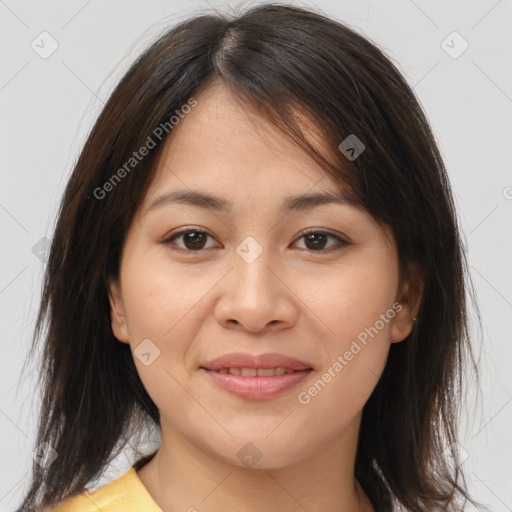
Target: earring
{"points": [[414, 319]]}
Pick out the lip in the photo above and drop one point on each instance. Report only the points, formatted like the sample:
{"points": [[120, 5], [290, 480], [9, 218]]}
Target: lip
{"points": [[257, 388], [244, 360]]}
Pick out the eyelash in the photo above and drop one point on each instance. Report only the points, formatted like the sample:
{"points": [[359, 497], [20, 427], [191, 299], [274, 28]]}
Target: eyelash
{"points": [[169, 240]]}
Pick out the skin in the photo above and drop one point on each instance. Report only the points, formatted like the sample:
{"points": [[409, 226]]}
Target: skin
{"points": [[305, 303]]}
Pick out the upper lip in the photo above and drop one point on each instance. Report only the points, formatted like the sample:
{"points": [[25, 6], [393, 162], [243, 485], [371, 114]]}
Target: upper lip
{"points": [[243, 360]]}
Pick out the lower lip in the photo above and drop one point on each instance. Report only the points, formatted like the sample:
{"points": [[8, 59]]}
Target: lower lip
{"points": [[257, 388]]}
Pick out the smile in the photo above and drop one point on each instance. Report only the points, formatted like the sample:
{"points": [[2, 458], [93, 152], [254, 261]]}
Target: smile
{"points": [[250, 384], [255, 372]]}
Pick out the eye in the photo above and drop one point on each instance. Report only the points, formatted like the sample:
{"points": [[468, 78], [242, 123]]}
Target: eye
{"points": [[315, 240], [193, 239]]}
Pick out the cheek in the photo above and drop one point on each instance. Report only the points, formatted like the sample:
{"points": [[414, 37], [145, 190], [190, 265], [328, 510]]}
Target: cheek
{"points": [[159, 305], [341, 389], [358, 310], [158, 297], [356, 297]]}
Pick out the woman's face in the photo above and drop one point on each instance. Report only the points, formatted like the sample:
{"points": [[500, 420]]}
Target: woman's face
{"points": [[254, 284]]}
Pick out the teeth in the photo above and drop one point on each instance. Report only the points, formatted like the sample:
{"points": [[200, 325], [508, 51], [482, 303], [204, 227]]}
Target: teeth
{"points": [[248, 372], [266, 372], [253, 372]]}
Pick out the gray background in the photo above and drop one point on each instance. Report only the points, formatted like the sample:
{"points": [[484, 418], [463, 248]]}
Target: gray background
{"points": [[48, 106]]}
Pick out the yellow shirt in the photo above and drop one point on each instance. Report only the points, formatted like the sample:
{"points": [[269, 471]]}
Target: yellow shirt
{"points": [[125, 494]]}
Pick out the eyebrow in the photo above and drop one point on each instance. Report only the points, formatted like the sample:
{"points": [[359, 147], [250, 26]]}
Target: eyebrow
{"points": [[292, 203]]}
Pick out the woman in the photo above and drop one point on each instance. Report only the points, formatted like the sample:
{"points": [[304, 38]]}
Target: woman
{"points": [[257, 252]]}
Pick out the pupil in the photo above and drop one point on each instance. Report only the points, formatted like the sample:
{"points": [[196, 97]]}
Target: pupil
{"points": [[192, 237], [312, 236]]}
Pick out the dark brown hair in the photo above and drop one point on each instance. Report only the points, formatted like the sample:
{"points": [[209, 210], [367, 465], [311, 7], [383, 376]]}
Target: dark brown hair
{"points": [[280, 60]]}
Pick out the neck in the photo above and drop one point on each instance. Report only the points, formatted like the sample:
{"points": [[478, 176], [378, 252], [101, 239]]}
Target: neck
{"points": [[181, 476]]}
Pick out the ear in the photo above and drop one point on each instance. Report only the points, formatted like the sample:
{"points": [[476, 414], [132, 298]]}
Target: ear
{"points": [[117, 313], [409, 298]]}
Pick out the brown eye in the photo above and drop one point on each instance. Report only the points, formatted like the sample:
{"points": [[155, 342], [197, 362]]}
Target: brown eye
{"points": [[192, 239], [316, 240]]}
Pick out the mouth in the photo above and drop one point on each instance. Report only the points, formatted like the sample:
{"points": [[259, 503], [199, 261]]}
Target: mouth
{"points": [[256, 377], [252, 365], [255, 372], [257, 387]]}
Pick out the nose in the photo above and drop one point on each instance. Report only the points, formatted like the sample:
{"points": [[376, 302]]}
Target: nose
{"points": [[255, 296]]}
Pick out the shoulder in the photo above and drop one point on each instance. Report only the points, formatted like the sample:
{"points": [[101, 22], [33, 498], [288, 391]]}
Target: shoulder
{"points": [[116, 496]]}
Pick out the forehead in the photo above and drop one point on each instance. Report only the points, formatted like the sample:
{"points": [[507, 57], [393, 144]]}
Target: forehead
{"points": [[223, 144]]}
